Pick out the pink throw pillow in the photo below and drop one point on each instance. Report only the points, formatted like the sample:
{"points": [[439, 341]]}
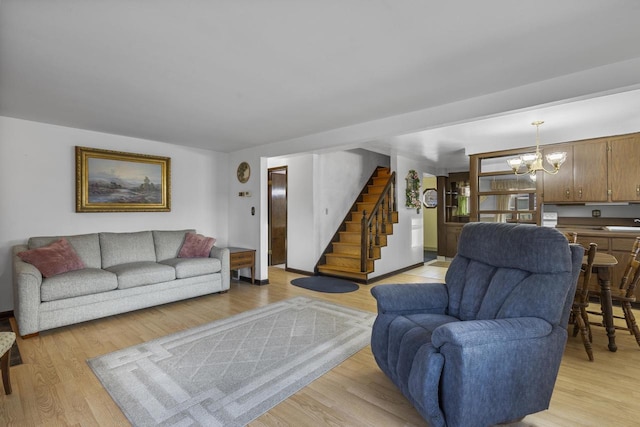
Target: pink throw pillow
{"points": [[56, 258], [196, 246]]}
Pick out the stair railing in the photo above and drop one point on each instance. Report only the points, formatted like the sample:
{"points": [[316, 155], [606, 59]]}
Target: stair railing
{"points": [[376, 223]]}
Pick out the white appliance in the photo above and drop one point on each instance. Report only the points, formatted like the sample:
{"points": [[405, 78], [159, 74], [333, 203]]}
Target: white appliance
{"points": [[549, 219]]}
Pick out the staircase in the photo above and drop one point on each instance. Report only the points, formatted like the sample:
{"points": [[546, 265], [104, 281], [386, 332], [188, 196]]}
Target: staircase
{"points": [[358, 242]]}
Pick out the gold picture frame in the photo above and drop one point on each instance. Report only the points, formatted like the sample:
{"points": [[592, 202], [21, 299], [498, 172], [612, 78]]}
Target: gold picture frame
{"points": [[114, 181], [244, 172]]}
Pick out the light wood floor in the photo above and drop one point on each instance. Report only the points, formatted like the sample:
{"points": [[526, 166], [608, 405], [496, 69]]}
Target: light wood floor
{"points": [[54, 385]]}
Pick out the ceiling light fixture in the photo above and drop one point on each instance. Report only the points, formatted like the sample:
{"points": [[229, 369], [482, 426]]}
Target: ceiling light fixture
{"points": [[533, 161]]}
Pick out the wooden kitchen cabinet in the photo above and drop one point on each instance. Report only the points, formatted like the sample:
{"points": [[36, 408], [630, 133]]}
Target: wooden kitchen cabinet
{"points": [[456, 197], [590, 171], [624, 170], [583, 176], [453, 211], [452, 234], [559, 187]]}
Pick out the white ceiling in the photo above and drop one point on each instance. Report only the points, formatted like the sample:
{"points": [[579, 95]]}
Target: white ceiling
{"points": [[426, 78]]}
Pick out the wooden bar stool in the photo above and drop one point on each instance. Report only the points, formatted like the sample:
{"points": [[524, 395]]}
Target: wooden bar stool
{"points": [[6, 341]]}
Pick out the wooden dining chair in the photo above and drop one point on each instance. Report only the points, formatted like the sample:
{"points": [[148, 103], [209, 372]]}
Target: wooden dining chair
{"points": [[581, 302], [6, 341], [624, 294], [571, 236]]}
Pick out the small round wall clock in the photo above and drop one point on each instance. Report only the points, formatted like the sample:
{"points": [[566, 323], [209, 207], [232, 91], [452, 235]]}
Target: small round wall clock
{"points": [[430, 198], [244, 172]]}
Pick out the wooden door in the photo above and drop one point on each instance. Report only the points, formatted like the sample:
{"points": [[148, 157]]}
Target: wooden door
{"points": [[558, 188], [624, 168], [590, 171], [277, 216]]}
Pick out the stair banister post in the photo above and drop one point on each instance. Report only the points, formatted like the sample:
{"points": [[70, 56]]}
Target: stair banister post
{"points": [[393, 193], [383, 214], [363, 242], [370, 241], [377, 236]]}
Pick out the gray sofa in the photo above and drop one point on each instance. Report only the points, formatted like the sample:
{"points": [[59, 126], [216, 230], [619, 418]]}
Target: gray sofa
{"points": [[123, 272]]}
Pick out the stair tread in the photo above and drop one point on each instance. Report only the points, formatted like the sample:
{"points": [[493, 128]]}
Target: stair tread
{"points": [[342, 248], [345, 269], [341, 255], [355, 244]]}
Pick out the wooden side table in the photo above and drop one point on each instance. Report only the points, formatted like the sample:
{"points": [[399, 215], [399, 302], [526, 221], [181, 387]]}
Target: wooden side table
{"points": [[241, 258]]}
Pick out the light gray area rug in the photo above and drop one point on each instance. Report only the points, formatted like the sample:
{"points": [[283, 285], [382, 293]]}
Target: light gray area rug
{"points": [[231, 371]]}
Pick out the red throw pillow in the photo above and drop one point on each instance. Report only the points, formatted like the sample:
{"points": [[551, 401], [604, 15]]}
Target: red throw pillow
{"points": [[196, 246], [56, 258]]}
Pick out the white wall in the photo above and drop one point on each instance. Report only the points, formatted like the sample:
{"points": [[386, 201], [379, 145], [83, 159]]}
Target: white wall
{"points": [[338, 181], [37, 189], [321, 190], [405, 247], [37, 196]]}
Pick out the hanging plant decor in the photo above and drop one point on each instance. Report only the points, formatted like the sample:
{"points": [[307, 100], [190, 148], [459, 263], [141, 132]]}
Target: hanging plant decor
{"points": [[413, 191]]}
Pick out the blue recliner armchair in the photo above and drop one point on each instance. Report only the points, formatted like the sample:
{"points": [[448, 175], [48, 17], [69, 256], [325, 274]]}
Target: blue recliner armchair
{"points": [[485, 347]]}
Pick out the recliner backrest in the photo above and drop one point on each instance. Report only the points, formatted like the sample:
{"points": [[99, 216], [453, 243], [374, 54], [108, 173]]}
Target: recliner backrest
{"points": [[508, 270]]}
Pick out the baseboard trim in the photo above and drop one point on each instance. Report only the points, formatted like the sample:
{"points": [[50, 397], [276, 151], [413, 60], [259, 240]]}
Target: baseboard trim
{"points": [[364, 282], [248, 280], [293, 270], [392, 273]]}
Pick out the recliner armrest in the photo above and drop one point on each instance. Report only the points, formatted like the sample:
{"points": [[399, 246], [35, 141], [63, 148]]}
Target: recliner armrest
{"points": [[480, 332], [411, 298]]}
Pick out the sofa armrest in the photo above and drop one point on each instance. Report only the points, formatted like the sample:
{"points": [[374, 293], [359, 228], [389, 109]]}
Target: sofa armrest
{"points": [[223, 255], [27, 280], [411, 298], [483, 332]]}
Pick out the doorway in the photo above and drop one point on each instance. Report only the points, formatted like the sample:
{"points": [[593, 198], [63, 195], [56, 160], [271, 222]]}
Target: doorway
{"points": [[277, 189], [430, 219]]}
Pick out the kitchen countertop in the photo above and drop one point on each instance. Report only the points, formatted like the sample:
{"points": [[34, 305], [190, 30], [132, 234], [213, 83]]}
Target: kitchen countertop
{"points": [[599, 231]]}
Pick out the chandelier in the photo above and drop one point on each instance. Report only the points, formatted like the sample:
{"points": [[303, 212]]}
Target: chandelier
{"points": [[532, 162]]}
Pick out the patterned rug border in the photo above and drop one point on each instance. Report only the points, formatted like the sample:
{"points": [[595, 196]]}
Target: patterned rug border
{"points": [[172, 403]]}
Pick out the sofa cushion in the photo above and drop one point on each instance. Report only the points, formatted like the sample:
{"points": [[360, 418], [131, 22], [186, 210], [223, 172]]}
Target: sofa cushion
{"points": [[142, 273], [168, 243], [58, 257], [123, 248], [77, 283], [191, 267], [87, 246], [196, 246]]}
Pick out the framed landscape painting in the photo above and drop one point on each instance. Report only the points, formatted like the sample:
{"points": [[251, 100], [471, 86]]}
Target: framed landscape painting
{"points": [[113, 181]]}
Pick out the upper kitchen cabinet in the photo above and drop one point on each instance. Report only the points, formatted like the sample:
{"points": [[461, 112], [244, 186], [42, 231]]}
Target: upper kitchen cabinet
{"points": [[624, 170], [583, 176], [559, 187]]}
